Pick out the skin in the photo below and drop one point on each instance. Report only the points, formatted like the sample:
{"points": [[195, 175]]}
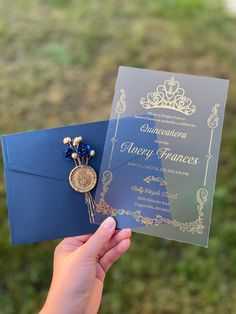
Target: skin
{"points": [[79, 269]]}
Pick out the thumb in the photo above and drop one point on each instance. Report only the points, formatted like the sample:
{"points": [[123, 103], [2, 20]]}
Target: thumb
{"points": [[100, 238]]}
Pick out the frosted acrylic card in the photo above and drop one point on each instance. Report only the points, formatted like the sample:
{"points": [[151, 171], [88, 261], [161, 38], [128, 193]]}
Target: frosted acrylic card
{"points": [[161, 152]]}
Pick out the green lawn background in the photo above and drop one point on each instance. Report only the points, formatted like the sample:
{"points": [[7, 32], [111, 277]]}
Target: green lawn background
{"points": [[58, 64]]}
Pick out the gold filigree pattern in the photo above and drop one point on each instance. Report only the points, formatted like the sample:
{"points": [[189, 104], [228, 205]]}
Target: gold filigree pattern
{"points": [[169, 96], [159, 180], [121, 105], [195, 226], [212, 122], [120, 109], [213, 119]]}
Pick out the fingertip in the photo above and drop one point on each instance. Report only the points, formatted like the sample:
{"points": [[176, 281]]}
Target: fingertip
{"points": [[127, 243], [123, 246], [126, 233], [109, 224]]}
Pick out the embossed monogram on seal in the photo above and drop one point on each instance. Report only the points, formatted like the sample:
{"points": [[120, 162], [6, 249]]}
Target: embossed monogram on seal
{"points": [[83, 178]]}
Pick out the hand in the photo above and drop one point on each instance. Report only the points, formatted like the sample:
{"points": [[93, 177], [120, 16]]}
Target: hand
{"points": [[80, 266]]}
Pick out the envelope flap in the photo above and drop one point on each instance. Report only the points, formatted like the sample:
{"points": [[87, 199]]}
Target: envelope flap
{"points": [[41, 152]]}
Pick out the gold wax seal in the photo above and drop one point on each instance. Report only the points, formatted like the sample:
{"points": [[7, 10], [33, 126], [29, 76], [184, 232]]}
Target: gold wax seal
{"points": [[83, 178]]}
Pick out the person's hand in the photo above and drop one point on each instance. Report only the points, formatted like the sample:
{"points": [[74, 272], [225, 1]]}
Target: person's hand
{"points": [[80, 266]]}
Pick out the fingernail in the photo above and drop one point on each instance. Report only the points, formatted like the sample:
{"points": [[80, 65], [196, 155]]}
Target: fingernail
{"points": [[109, 223]]}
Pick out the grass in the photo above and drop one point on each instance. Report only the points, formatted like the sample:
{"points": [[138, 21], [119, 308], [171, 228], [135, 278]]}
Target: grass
{"points": [[59, 61]]}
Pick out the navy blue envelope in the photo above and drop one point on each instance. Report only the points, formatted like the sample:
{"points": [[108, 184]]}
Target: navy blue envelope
{"points": [[41, 203]]}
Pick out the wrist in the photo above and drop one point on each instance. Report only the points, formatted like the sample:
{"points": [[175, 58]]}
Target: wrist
{"points": [[63, 303]]}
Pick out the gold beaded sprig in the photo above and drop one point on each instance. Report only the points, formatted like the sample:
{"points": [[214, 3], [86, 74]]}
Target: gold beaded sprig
{"points": [[82, 178]]}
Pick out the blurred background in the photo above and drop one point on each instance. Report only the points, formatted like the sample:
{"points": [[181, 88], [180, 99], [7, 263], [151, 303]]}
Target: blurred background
{"points": [[58, 64]]}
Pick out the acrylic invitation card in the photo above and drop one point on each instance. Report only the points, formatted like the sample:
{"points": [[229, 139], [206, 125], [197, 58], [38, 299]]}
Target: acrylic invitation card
{"points": [[161, 153]]}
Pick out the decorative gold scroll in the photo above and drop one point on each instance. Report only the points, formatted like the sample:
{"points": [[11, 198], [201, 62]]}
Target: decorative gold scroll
{"points": [[212, 122], [120, 109]]}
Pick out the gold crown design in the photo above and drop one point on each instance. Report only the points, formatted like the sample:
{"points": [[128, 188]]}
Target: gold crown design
{"points": [[170, 96]]}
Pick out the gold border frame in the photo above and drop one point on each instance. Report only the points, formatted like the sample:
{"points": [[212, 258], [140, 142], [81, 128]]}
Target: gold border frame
{"points": [[194, 226]]}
